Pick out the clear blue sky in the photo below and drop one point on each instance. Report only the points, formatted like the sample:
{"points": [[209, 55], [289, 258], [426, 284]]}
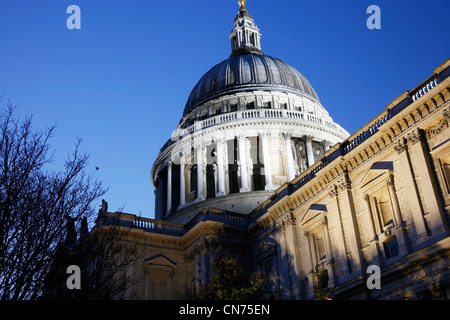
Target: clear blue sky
{"points": [[122, 81]]}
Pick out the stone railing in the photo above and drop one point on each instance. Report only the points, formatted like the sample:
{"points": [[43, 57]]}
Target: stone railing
{"points": [[258, 114], [158, 226], [218, 215], [175, 229], [254, 114]]}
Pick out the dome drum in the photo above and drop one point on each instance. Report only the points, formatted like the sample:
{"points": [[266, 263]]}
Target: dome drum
{"points": [[212, 165]]}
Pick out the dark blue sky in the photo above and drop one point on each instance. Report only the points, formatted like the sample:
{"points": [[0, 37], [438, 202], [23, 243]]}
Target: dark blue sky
{"points": [[121, 82]]}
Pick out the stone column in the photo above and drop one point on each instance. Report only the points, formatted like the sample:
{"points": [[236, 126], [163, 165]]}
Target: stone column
{"points": [[200, 169], [310, 251], [376, 217], [169, 187], [399, 230], [395, 206], [309, 150], [335, 219], [243, 164], [329, 253], [429, 186], [182, 182], [220, 168], [159, 214], [311, 257], [266, 159], [371, 218], [326, 239], [348, 214], [291, 244], [373, 254], [289, 157], [406, 170]]}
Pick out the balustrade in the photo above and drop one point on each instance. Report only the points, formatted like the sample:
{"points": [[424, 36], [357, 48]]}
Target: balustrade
{"points": [[158, 225], [260, 114]]}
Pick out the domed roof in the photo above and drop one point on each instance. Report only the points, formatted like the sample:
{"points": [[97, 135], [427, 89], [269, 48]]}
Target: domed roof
{"points": [[248, 72]]}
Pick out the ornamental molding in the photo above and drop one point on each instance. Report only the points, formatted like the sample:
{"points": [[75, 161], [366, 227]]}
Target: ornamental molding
{"points": [[442, 125], [286, 221]]}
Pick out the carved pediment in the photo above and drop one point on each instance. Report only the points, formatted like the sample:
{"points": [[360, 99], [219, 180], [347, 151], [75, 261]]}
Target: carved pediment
{"points": [[159, 261], [315, 212], [377, 170]]}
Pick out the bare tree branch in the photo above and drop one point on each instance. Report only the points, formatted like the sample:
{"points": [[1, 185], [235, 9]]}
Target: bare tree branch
{"points": [[35, 204]]}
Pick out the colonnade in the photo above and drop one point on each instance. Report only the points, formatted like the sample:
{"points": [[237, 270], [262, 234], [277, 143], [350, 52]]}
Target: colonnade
{"points": [[230, 160]]}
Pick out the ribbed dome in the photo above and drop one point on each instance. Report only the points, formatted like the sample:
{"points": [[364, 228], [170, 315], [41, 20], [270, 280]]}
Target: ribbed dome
{"points": [[248, 72]]}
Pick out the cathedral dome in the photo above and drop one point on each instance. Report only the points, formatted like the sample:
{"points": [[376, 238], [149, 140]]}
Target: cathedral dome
{"points": [[248, 72], [251, 124]]}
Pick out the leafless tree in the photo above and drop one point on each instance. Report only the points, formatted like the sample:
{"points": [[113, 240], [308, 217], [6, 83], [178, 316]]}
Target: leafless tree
{"points": [[105, 257], [36, 204]]}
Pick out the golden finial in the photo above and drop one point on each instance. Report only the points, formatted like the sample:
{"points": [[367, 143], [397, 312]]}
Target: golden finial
{"points": [[242, 4]]}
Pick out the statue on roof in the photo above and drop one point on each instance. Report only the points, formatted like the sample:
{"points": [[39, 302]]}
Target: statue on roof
{"points": [[103, 207]]}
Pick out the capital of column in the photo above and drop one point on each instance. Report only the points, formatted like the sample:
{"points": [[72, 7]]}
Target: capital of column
{"points": [[333, 191], [416, 136], [169, 163], [366, 197], [199, 147], [264, 135], [220, 141], [285, 136], [401, 146], [390, 181]]}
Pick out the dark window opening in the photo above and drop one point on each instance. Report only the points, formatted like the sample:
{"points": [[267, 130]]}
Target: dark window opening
{"points": [[390, 247]]}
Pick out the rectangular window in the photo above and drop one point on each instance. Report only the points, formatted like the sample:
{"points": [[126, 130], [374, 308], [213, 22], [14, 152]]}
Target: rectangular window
{"points": [[266, 105]]}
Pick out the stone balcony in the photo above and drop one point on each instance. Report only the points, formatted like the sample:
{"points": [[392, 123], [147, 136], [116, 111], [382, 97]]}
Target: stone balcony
{"points": [[254, 114]]}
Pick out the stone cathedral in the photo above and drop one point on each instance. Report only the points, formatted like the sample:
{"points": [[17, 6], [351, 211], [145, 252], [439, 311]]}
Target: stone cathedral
{"points": [[257, 169]]}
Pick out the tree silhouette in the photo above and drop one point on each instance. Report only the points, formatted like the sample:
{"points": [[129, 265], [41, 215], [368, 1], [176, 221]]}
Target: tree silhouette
{"points": [[104, 257], [36, 204]]}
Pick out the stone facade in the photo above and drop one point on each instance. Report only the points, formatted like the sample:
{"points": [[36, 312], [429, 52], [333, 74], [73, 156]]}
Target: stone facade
{"points": [[380, 197]]}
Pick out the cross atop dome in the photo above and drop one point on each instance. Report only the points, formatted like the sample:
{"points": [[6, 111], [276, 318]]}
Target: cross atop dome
{"points": [[245, 37], [242, 4]]}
